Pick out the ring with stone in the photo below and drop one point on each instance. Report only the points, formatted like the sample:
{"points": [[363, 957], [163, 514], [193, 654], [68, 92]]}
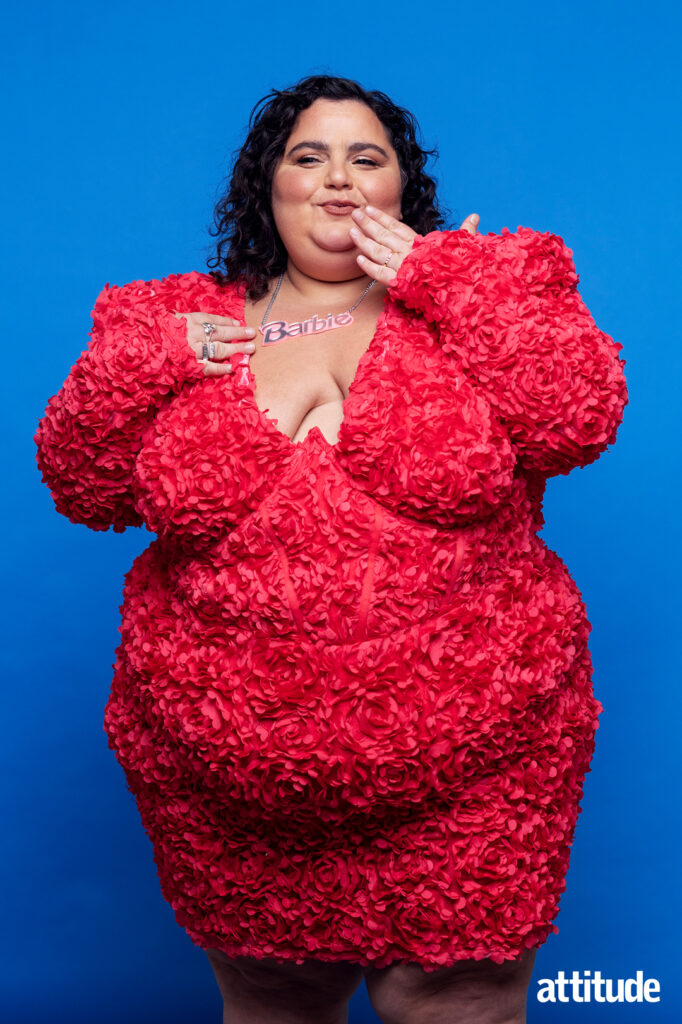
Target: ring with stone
{"points": [[388, 258], [208, 329]]}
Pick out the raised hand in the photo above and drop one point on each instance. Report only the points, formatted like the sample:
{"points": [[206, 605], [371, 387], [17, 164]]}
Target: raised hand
{"points": [[384, 242]]}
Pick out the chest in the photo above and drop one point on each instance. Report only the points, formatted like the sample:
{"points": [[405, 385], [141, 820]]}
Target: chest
{"points": [[302, 373], [411, 429]]}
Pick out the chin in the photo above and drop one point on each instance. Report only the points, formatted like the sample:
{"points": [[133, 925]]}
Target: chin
{"points": [[333, 268], [335, 240]]}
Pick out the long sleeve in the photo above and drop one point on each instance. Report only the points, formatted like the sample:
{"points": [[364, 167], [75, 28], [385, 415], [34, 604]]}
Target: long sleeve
{"points": [[508, 308], [92, 429]]}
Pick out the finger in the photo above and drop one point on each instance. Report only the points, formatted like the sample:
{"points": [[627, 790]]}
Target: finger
{"points": [[223, 350], [371, 217], [470, 223], [380, 273], [217, 369], [375, 250], [229, 335], [373, 229], [384, 236]]}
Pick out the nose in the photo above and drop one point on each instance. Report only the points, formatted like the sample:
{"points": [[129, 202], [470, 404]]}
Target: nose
{"points": [[338, 173]]}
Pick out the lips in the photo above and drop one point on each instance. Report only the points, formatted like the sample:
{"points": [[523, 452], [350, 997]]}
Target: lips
{"points": [[338, 208]]}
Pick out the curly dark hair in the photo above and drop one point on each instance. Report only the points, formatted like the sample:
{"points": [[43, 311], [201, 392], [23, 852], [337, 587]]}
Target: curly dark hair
{"points": [[249, 247]]}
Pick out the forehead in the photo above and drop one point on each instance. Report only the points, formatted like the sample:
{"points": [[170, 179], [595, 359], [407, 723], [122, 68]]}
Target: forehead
{"points": [[347, 120]]}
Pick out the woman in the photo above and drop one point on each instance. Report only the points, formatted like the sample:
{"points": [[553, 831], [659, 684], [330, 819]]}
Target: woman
{"points": [[353, 694]]}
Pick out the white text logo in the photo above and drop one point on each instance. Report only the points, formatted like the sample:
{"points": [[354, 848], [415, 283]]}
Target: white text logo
{"points": [[588, 987]]}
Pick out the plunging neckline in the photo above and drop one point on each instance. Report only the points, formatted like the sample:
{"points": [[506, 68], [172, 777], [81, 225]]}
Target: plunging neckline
{"points": [[270, 423]]}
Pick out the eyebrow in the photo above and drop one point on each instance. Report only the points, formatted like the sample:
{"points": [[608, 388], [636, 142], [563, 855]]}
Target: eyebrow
{"points": [[322, 147]]}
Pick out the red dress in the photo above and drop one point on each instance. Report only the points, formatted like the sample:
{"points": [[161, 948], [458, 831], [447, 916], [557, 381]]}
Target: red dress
{"points": [[353, 694]]}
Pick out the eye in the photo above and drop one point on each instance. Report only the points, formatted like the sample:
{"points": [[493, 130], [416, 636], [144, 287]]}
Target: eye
{"points": [[367, 160], [303, 159]]}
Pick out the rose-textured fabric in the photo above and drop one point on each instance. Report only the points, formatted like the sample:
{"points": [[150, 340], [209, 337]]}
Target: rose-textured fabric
{"points": [[353, 693]]}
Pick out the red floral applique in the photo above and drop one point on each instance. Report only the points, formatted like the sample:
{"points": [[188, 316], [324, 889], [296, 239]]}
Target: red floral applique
{"points": [[353, 692]]}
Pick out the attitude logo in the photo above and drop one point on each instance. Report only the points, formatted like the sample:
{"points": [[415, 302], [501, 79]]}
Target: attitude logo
{"points": [[593, 988]]}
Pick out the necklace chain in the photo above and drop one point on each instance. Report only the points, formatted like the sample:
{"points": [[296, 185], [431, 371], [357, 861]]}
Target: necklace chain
{"points": [[279, 285]]}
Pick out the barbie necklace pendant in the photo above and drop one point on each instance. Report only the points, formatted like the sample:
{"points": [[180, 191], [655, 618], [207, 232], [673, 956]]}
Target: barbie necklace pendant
{"points": [[280, 330]]}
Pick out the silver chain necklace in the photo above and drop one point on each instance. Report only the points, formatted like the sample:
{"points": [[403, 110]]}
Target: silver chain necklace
{"points": [[279, 330]]}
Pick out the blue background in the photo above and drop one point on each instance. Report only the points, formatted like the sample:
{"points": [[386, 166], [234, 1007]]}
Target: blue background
{"points": [[120, 125]]}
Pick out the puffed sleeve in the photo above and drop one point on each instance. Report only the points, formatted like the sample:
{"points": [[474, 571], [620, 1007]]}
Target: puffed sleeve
{"points": [[92, 429], [507, 306]]}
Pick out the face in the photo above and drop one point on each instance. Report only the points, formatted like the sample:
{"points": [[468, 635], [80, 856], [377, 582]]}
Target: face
{"points": [[338, 157]]}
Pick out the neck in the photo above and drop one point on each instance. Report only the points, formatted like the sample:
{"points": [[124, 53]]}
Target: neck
{"points": [[310, 291]]}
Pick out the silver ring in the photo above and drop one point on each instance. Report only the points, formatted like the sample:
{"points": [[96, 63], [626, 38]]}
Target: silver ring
{"points": [[211, 349], [388, 258], [204, 352], [209, 329]]}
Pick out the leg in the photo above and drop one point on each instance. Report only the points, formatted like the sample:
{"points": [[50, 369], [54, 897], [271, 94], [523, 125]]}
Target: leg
{"points": [[265, 992], [470, 992]]}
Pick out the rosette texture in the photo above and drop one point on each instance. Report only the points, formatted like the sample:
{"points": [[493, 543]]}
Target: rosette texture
{"points": [[353, 693]]}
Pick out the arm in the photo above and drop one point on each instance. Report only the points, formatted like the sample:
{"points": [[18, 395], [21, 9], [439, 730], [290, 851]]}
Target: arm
{"points": [[92, 429], [508, 308]]}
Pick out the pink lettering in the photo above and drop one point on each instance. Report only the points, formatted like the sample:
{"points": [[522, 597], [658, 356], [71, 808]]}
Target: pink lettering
{"points": [[276, 330], [280, 330]]}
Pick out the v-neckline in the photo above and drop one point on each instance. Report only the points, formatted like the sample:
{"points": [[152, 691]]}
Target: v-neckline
{"points": [[269, 422]]}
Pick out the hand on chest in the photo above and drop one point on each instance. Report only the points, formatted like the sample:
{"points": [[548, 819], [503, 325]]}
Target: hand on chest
{"points": [[396, 413]]}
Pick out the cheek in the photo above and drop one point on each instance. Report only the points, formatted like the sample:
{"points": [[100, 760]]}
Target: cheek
{"points": [[290, 188], [288, 195], [385, 193]]}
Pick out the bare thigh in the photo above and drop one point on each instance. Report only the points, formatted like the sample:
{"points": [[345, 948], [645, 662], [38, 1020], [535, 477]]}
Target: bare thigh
{"points": [[470, 992], [263, 991]]}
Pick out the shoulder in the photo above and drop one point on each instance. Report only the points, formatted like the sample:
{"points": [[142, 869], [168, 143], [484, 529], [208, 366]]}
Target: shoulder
{"points": [[187, 292]]}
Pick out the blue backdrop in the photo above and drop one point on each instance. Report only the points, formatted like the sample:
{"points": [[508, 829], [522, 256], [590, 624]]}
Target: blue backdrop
{"points": [[121, 121]]}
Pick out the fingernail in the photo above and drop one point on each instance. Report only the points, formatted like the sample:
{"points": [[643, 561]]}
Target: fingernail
{"points": [[250, 330], [370, 209], [250, 347]]}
